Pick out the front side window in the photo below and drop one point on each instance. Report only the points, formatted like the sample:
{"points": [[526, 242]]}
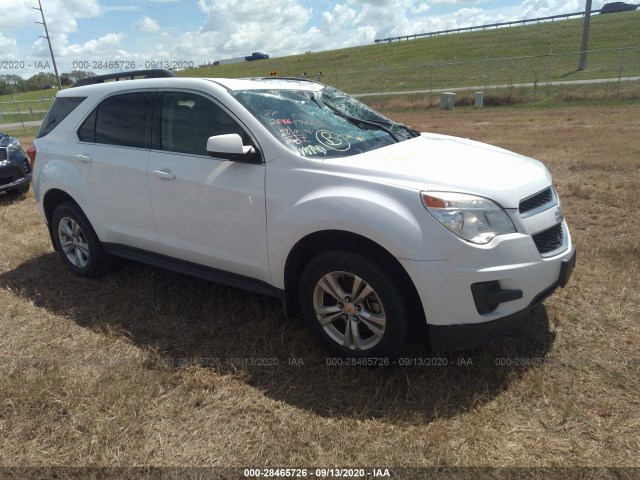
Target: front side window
{"points": [[326, 123], [120, 120], [188, 120]]}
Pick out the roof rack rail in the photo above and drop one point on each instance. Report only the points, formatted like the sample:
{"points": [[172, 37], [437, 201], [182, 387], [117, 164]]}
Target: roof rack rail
{"points": [[155, 73]]}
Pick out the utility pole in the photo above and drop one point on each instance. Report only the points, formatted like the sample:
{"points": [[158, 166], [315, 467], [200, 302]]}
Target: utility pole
{"points": [[46, 31], [585, 36]]}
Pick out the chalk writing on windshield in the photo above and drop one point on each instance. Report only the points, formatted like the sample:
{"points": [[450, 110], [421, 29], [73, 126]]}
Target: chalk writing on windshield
{"points": [[281, 121], [292, 136], [333, 141], [312, 150]]}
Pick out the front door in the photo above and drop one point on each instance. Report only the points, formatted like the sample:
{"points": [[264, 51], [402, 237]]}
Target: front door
{"points": [[208, 211]]}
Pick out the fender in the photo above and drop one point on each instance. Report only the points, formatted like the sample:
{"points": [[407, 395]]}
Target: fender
{"points": [[49, 177], [376, 215]]}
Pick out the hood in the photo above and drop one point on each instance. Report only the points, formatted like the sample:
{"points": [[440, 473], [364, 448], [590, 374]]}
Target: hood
{"points": [[444, 163]]}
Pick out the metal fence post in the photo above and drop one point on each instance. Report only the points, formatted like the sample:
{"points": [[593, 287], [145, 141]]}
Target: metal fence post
{"points": [[381, 86], [20, 114], [621, 70], [549, 73], [430, 84], [486, 73]]}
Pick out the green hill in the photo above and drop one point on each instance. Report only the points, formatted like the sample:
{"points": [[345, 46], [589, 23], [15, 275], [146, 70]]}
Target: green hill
{"points": [[464, 59]]}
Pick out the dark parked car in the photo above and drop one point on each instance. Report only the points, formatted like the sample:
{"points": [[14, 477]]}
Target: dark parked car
{"points": [[256, 56], [617, 7], [15, 171]]}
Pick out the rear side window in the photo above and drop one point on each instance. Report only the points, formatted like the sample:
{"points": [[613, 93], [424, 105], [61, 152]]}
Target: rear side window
{"points": [[59, 110], [121, 120]]}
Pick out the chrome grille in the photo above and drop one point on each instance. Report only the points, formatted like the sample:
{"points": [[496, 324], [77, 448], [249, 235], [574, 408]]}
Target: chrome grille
{"points": [[537, 202], [550, 239]]}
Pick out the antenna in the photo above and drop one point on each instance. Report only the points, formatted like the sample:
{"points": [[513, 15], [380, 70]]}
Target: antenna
{"points": [[46, 31]]}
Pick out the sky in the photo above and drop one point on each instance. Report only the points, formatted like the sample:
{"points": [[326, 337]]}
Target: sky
{"points": [[148, 33]]}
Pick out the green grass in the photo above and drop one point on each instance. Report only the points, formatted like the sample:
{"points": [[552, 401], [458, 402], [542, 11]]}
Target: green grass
{"points": [[25, 136], [30, 106], [35, 96], [408, 65], [121, 371], [25, 116]]}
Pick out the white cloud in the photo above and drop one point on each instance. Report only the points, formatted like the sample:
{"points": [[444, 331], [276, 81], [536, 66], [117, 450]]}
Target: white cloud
{"points": [[15, 14], [237, 28], [388, 20], [337, 21], [454, 2], [375, 3], [122, 8], [8, 47], [148, 24], [420, 8], [543, 8], [61, 16], [104, 45]]}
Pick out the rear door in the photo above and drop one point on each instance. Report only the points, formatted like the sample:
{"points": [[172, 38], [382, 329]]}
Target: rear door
{"points": [[110, 159], [208, 211]]}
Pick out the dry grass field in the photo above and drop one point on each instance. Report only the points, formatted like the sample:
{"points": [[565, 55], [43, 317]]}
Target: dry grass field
{"points": [[149, 368]]}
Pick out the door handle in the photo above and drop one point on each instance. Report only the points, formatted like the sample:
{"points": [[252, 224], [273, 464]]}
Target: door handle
{"points": [[164, 174], [84, 158]]}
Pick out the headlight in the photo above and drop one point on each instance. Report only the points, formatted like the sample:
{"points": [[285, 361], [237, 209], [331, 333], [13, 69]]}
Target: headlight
{"points": [[11, 143], [476, 219]]}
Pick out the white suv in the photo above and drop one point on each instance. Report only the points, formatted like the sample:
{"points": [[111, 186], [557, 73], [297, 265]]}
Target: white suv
{"points": [[294, 189]]}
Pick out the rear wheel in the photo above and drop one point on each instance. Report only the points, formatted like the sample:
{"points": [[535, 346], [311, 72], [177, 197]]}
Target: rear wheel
{"points": [[352, 306], [77, 242]]}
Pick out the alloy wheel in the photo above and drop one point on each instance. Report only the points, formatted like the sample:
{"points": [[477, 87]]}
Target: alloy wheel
{"points": [[73, 242], [349, 310]]}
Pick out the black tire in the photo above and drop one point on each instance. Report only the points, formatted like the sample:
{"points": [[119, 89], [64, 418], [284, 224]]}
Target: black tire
{"points": [[365, 313], [77, 242]]}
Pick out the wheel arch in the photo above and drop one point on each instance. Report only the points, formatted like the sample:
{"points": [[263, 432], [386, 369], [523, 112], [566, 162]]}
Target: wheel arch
{"points": [[52, 199], [313, 244]]}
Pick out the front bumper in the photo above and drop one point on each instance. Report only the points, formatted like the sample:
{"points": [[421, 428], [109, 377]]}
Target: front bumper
{"points": [[14, 173], [464, 337], [512, 277], [12, 185]]}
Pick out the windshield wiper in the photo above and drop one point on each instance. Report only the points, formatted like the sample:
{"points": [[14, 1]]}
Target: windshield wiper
{"points": [[413, 133], [360, 122], [397, 125]]}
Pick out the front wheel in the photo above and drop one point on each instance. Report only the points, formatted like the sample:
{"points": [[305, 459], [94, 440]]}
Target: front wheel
{"points": [[352, 306]]}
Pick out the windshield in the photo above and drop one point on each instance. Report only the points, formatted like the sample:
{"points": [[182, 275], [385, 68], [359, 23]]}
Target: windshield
{"points": [[328, 123]]}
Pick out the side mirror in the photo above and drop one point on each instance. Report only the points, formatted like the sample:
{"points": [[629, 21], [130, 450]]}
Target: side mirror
{"points": [[230, 147]]}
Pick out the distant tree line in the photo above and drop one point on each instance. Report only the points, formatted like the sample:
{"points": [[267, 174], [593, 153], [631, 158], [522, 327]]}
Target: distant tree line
{"points": [[39, 81]]}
